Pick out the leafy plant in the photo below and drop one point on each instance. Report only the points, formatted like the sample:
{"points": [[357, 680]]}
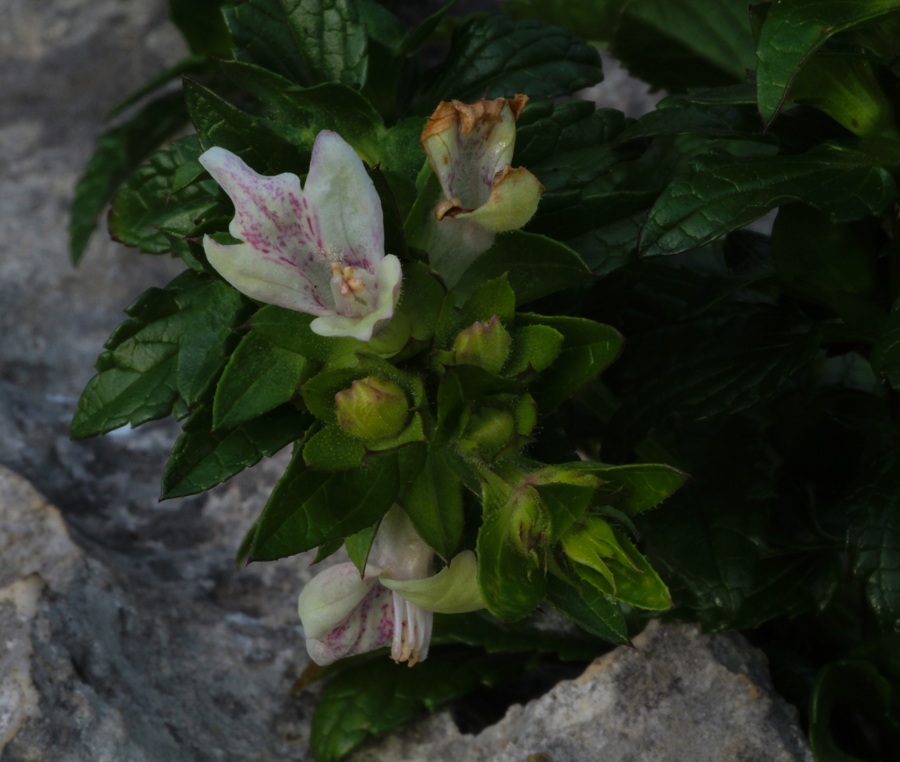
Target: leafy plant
{"points": [[546, 373]]}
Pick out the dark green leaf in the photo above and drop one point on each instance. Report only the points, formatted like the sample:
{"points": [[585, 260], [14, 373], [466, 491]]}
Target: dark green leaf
{"points": [[202, 458], [679, 114], [290, 330], [886, 352], [493, 57], [252, 138], [638, 487], [359, 545], [873, 540], [593, 20], [165, 356], [674, 44], [310, 507], [201, 24], [830, 264], [588, 348], [433, 501], [492, 297], [259, 377], [151, 207], [793, 31], [372, 698], [567, 145], [723, 193], [308, 41], [333, 449], [119, 151], [588, 608], [713, 366], [535, 265]]}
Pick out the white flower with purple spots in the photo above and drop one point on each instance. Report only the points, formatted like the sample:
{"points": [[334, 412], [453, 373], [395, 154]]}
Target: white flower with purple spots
{"points": [[317, 249], [344, 614]]}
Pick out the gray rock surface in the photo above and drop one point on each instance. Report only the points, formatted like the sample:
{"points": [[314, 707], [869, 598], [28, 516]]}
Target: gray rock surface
{"points": [[127, 633], [677, 695]]}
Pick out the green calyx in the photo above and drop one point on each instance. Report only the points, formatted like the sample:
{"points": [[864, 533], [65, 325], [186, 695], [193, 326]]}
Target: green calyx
{"points": [[486, 345], [372, 408], [497, 429]]}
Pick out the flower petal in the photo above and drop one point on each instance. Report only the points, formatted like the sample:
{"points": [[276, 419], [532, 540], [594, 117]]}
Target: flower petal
{"points": [[453, 590], [276, 222], [346, 202], [513, 201], [343, 615], [267, 277], [387, 287], [468, 144]]}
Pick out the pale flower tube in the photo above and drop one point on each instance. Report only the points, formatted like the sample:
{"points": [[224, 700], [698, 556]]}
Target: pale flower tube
{"points": [[317, 249], [344, 614], [470, 149]]}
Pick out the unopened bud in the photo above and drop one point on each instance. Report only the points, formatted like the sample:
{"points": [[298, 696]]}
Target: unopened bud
{"points": [[528, 521], [372, 408], [486, 345]]}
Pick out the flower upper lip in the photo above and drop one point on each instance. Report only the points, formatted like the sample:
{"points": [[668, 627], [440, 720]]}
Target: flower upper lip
{"points": [[317, 249]]}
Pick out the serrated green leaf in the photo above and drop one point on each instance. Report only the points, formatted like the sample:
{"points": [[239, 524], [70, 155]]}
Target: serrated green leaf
{"points": [[290, 330], [492, 297], [873, 540], [588, 348], [258, 378], [432, 498], [680, 114], [588, 608], [567, 145], [308, 508], [203, 457], [149, 208], [723, 193], [165, 357], [308, 41], [638, 487], [793, 31], [118, 153], [493, 56], [674, 44], [535, 265], [372, 698]]}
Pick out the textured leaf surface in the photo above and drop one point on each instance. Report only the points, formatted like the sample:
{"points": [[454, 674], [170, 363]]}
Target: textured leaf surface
{"points": [[164, 357], [723, 193], [118, 153], [793, 31], [308, 41], [873, 540], [308, 507], [202, 458], [493, 57]]}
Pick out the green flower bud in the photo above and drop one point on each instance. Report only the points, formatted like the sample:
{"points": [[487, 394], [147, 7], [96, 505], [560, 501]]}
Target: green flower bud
{"points": [[372, 408], [490, 432], [528, 521], [486, 345]]}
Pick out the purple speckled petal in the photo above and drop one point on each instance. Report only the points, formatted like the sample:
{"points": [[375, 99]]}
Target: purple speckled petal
{"points": [[347, 204], [283, 240], [343, 615]]}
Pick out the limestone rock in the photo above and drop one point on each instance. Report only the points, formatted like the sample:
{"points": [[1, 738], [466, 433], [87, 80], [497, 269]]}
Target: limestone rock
{"points": [[677, 695]]}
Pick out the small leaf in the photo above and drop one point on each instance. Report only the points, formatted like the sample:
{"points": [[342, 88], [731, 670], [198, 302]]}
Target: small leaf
{"points": [[202, 457], [118, 153], [308, 508], [258, 378], [588, 348], [165, 355], [432, 499], [535, 265]]}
